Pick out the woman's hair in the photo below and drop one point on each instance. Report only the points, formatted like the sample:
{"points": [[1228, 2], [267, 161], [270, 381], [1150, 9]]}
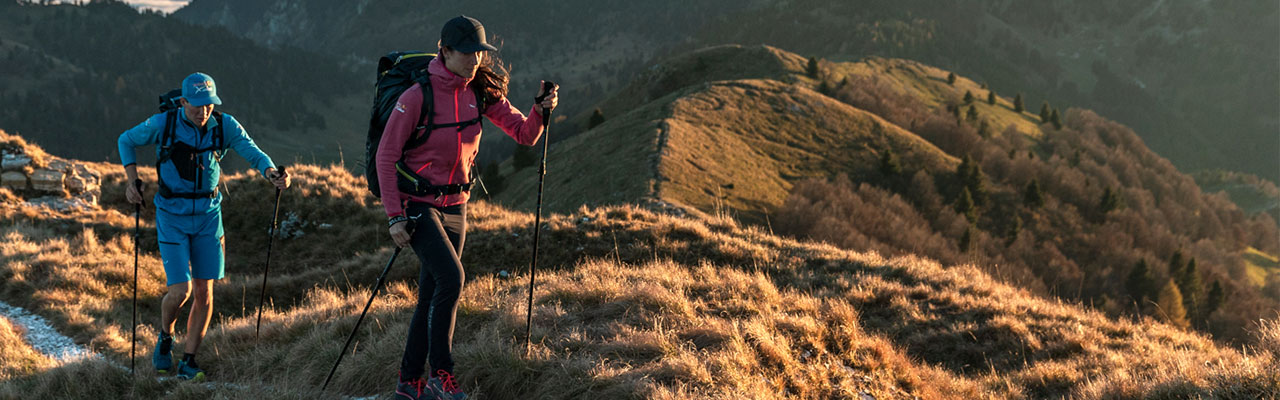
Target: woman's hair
{"points": [[491, 76]]}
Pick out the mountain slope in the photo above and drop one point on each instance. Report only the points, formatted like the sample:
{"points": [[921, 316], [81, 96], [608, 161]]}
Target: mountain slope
{"points": [[755, 133], [712, 143], [1195, 79], [630, 304]]}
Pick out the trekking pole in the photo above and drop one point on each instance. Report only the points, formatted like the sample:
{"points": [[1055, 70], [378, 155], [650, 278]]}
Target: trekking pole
{"points": [[376, 287], [137, 234], [537, 219], [270, 238]]}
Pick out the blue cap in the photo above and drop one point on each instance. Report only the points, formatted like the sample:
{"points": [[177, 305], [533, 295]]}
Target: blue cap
{"points": [[198, 89]]}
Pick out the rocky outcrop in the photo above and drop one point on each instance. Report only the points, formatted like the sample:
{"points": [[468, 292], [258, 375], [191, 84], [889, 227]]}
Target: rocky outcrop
{"points": [[61, 184]]}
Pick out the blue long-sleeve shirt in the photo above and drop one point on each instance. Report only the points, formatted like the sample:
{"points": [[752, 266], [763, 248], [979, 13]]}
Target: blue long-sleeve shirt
{"points": [[209, 171]]}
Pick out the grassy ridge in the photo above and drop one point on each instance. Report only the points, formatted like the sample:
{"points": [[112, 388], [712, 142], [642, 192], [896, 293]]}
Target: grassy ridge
{"points": [[631, 304]]}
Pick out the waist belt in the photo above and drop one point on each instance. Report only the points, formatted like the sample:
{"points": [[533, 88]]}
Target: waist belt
{"points": [[411, 183], [165, 192]]}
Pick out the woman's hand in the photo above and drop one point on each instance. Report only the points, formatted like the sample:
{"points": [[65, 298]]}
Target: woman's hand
{"points": [[551, 100], [400, 234]]}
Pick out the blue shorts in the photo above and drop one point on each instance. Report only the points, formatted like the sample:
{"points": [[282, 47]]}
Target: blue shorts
{"points": [[191, 246]]}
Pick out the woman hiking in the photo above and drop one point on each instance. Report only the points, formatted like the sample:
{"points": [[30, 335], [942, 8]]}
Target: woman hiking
{"points": [[430, 184]]}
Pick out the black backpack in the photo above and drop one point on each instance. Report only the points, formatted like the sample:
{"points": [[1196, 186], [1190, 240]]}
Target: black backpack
{"points": [[179, 151], [397, 72]]}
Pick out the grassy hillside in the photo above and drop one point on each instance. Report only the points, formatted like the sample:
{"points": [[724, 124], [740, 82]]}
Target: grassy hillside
{"points": [[877, 155], [630, 304], [722, 140]]}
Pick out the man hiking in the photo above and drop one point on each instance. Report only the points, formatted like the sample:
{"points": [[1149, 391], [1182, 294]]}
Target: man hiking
{"points": [[190, 142], [430, 184]]}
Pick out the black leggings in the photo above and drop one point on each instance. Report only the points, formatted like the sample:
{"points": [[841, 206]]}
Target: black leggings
{"points": [[437, 240]]}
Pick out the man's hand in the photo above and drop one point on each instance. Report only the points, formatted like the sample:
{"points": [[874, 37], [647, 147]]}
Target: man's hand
{"points": [[132, 186], [281, 179], [400, 234], [131, 192]]}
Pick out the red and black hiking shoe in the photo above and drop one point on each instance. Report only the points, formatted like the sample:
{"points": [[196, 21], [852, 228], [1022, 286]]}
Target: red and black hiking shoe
{"points": [[415, 389], [445, 386]]}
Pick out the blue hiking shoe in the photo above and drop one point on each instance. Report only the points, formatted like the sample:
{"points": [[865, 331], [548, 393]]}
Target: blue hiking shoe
{"points": [[162, 359], [189, 371]]}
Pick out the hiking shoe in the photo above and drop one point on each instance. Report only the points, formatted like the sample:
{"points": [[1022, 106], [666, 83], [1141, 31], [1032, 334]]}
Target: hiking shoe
{"points": [[445, 386], [162, 359], [414, 390], [190, 371]]}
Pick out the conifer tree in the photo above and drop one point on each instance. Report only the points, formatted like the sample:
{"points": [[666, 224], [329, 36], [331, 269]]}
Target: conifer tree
{"points": [[966, 240], [1214, 300], [1190, 286], [889, 163], [1056, 119], [1110, 201], [1015, 227], [1176, 263], [991, 97], [971, 176], [812, 68], [597, 118], [968, 97], [964, 206], [951, 78], [1170, 303], [1044, 113], [1140, 282], [972, 115], [1017, 103], [984, 129], [1033, 196]]}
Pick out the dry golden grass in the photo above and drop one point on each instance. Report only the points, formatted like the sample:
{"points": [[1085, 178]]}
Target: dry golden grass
{"points": [[630, 304], [19, 358], [15, 143], [736, 137]]}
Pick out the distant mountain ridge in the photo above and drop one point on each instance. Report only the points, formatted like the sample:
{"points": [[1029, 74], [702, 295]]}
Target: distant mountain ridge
{"points": [[1196, 80], [78, 76]]}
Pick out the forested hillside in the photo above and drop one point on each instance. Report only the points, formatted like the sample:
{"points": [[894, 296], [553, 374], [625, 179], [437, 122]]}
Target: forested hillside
{"points": [[74, 77]]}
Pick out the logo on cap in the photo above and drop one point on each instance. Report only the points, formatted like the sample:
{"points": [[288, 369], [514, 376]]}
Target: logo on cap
{"points": [[202, 87]]}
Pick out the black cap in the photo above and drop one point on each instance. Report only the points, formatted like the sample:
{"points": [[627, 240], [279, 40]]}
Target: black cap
{"points": [[464, 34]]}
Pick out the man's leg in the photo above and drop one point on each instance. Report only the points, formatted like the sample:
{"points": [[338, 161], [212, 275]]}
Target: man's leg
{"points": [[201, 313], [169, 305], [207, 265], [175, 253]]}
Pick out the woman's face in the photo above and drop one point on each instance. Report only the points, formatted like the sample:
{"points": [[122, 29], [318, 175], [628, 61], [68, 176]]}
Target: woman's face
{"points": [[462, 64]]}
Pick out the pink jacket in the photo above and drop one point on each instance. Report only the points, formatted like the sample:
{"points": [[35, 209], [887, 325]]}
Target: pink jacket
{"points": [[447, 156]]}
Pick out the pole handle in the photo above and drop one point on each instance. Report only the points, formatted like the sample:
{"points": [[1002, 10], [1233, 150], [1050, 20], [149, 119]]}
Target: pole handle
{"points": [[547, 87]]}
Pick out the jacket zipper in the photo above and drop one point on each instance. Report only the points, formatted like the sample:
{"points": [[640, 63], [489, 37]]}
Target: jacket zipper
{"points": [[457, 117]]}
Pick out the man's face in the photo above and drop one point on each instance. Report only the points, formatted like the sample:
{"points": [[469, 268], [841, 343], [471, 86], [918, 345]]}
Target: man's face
{"points": [[463, 64], [198, 115]]}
